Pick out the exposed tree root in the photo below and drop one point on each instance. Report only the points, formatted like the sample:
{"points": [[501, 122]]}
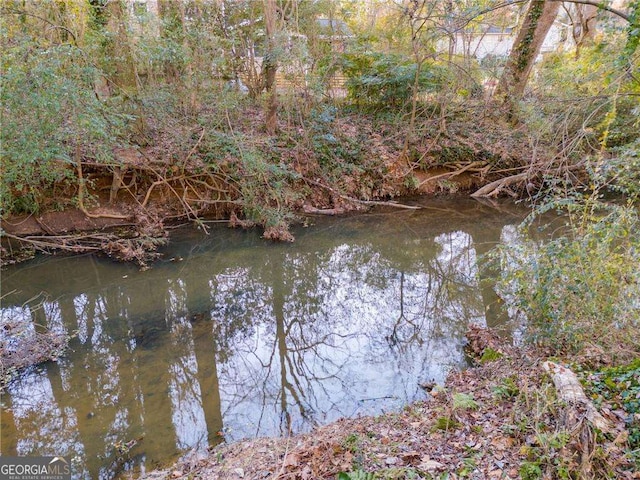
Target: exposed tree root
{"points": [[81, 192]]}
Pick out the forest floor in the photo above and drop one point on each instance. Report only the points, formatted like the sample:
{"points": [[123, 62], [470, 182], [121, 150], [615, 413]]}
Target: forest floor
{"points": [[504, 418]]}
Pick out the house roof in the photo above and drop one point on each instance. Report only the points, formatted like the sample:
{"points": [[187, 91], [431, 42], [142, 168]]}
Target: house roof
{"points": [[495, 29]]}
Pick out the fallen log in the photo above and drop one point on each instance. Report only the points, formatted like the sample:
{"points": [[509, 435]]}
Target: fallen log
{"points": [[389, 203], [493, 188], [323, 211], [570, 391]]}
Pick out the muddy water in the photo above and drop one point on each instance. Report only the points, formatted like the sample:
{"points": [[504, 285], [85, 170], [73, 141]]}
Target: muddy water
{"points": [[230, 336]]}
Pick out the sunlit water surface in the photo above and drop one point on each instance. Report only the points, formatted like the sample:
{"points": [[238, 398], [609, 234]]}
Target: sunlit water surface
{"points": [[230, 336]]}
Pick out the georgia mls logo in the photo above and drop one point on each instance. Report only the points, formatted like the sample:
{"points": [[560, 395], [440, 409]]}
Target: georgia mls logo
{"points": [[58, 463], [34, 468]]}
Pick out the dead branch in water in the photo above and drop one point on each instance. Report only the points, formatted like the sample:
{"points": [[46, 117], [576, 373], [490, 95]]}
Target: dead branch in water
{"points": [[140, 247], [473, 166], [59, 242], [493, 189], [389, 203], [25, 346], [323, 211]]}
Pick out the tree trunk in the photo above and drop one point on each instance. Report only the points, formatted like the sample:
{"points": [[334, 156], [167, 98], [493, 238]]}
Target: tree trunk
{"points": [[179, 72], [170, 29], [537, 22], [584, 26], [125, 74], [270, 67]]}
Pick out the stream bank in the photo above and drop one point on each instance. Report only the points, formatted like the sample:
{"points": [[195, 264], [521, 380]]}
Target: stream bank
{"points": [[500, 419], [123, 207]]}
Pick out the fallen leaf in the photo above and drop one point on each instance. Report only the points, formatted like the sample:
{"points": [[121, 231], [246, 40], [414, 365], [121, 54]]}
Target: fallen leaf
{"points": [[410, 455], [501, 443], [430, 465], [291, 460], [239, 472], [306, 474]]}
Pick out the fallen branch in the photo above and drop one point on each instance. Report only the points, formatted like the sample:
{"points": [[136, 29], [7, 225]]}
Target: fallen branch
{"points": [[60, 245], [493, 188], [570, 391], [389, 203], [322, 211], [29, 346], [453, 173]]}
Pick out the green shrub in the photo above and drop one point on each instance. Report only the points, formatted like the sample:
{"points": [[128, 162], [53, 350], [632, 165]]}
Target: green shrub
{"points": [[530, 471], [387, 81], [583, 286], [265, 186], [335, 151], [49, 109], [620, 386], [623, 170], [490, 355]]}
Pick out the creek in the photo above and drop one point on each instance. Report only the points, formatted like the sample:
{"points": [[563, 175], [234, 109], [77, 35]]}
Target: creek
{"points": [[229, 336]]}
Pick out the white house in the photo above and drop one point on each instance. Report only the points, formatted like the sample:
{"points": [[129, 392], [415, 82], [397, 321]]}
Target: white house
{"points": [[497, 41]]}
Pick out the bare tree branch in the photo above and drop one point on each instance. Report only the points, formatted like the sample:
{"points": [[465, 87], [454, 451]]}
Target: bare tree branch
{"points": [[509, 3], [23, 12]]}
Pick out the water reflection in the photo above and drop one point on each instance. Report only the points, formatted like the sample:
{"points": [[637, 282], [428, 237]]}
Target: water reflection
{"points": [[234, 337]]}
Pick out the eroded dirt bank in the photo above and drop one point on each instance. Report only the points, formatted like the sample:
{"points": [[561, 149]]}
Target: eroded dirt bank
{"points": [[505, 418], [122, 207]]}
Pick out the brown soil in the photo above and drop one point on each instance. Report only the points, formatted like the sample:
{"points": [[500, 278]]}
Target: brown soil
{"points": [[58, 223], [126, 218], [479, 425]]}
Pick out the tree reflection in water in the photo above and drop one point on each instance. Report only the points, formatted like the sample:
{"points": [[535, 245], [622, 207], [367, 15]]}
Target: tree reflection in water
{"points": [[245, 338]]}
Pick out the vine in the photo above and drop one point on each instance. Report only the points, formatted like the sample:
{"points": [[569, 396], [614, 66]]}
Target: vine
{"points": [[524, 47]]}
